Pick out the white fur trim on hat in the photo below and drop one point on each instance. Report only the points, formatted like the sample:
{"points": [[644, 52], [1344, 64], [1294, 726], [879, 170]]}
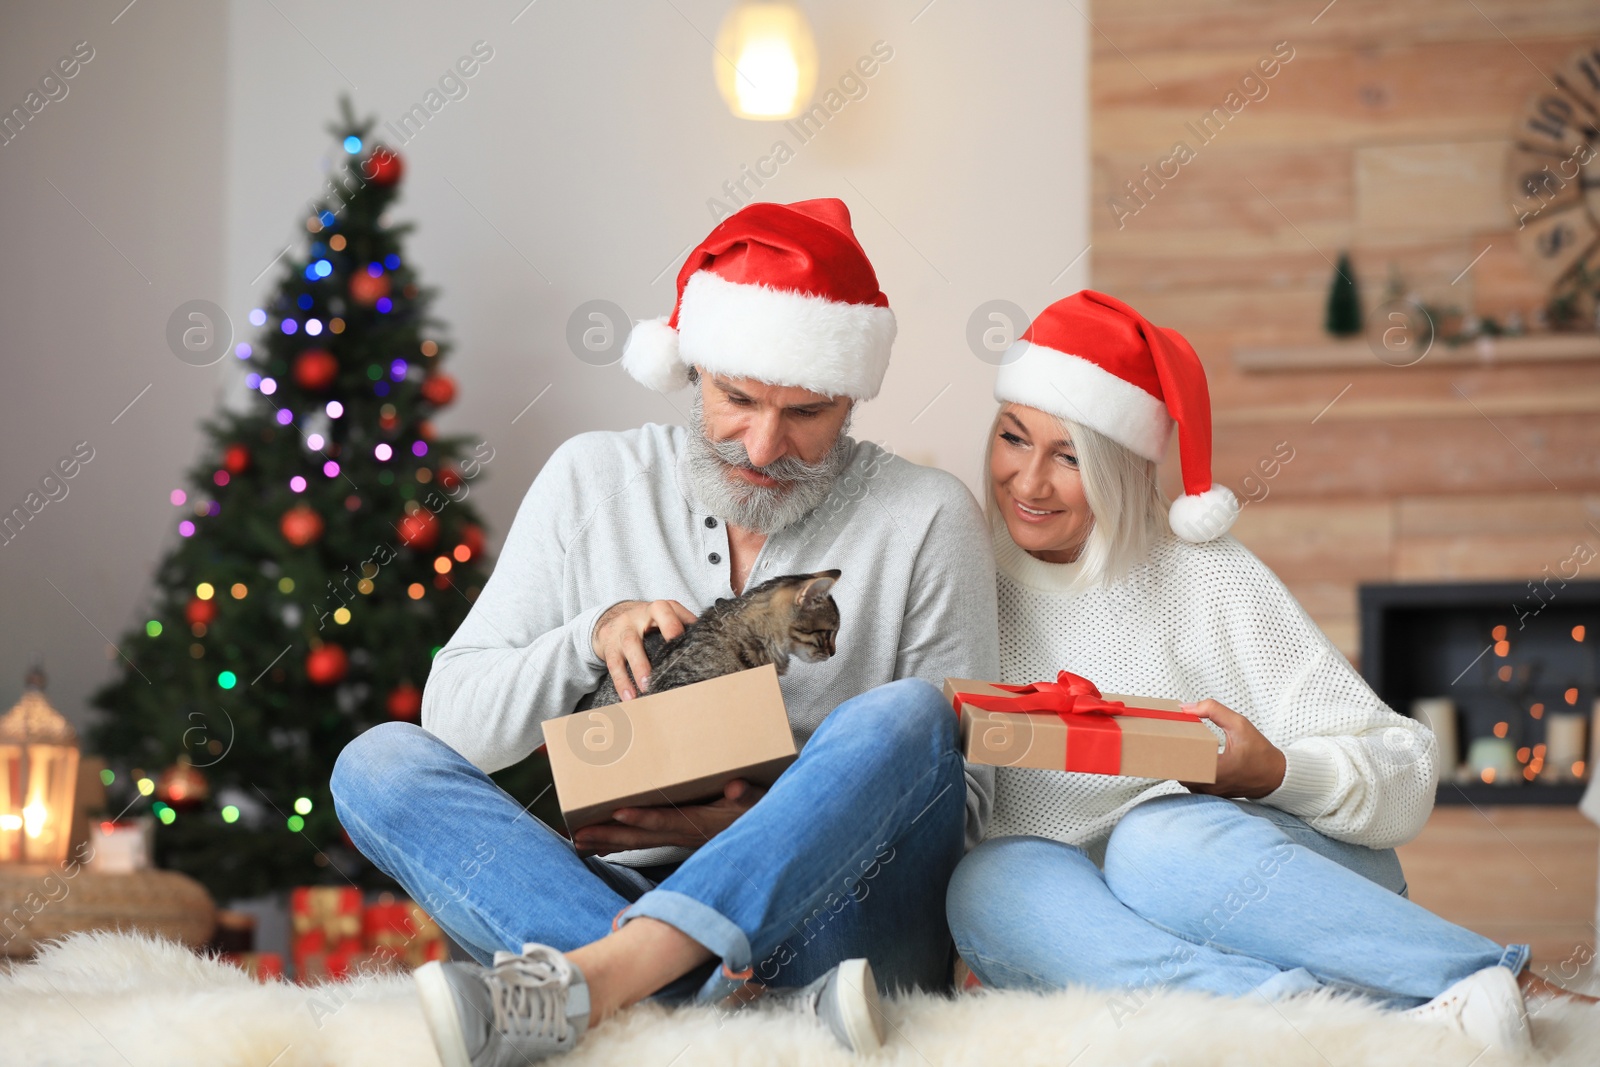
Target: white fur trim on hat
{"points": [[1075, 389], [784, 338], [651, 356], [1202, 516]]}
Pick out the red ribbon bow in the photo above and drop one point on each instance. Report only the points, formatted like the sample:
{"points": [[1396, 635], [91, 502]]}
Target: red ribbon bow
{"points": [[1095, 745]]}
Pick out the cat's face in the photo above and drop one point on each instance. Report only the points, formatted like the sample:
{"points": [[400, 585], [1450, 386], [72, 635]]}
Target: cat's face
{"points": [[814, 617]]}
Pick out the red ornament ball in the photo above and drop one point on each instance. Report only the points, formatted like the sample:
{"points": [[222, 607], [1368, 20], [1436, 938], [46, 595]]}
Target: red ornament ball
{"points": [[405, 701], [367, 290], [315, 369], [438, 389], [383, 167], [327, 664], [236, 459], [449, 479], [420, 529], [472, 537], [300, 525], [200, 612]]}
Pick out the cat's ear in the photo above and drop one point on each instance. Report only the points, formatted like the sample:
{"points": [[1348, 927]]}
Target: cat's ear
{"points": [[817, 588]]}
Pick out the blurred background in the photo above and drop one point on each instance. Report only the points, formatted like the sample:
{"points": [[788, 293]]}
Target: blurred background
{"points": [[1377, 224]]}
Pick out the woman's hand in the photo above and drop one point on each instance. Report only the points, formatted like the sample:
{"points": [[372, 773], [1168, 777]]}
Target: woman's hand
{"points": [[1250, 766], [690, 825], [618, 638]]}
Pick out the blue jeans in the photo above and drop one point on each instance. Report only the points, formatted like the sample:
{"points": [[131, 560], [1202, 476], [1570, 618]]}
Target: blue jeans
{"points": [[848, 854], [1222, 896]]}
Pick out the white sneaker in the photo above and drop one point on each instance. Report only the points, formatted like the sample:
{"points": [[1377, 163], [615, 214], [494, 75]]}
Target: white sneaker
{"points": [[1486, 1006], [845, 1000]]}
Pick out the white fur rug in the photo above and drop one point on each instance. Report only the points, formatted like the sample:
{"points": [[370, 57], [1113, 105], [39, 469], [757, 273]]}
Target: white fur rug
{"points": [[131, 1001]]}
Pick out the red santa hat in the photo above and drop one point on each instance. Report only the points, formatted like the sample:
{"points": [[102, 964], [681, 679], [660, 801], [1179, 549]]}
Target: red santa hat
{"points": [[1093, 360], [781, 293]]}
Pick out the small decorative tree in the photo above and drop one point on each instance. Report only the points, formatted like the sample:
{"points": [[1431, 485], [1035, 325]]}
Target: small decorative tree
{"points": [[1344, 301]]}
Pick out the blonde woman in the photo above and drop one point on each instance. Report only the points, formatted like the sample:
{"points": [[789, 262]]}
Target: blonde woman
{"points": [[1281, 877]]}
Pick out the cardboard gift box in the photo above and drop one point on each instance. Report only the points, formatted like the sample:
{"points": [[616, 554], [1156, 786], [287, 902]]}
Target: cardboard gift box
{"points": [[681, 746], [1069, 725]]}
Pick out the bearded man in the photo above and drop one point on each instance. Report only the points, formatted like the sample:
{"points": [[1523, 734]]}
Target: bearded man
{"points": [[788, 891]]}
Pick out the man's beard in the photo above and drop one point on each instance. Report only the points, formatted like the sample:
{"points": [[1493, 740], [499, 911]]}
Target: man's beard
{"points": [[766, 509]]}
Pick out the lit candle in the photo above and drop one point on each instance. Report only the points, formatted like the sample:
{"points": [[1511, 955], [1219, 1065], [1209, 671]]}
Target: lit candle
{"points": [[1563, 746], [1494, 761], [1439, 715]]}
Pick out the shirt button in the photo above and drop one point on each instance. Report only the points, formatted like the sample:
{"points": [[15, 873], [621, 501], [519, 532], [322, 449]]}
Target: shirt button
{"points": [[710, 522], [714, 558]]}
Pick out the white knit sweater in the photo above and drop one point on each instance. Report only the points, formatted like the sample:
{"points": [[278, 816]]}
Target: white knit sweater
{"points": [[1192, 622]]}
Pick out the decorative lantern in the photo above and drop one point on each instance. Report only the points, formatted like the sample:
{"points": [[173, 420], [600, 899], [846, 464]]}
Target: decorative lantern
{"points": [[766, 59], [38, 778]]}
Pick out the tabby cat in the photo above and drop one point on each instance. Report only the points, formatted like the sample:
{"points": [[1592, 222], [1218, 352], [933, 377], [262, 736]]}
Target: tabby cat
{"points": [[788, 616]]}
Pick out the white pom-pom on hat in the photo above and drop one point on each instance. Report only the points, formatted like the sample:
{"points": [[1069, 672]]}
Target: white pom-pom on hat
{"points": [[1203, 516], [650, 356]]}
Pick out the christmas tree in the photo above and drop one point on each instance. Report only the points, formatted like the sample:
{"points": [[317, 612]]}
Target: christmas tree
{"points": [[326, 547], [1344, 302]]}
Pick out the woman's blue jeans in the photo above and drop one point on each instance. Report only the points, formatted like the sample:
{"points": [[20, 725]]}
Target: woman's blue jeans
{"points": [[848, 854], [1198, 892]]}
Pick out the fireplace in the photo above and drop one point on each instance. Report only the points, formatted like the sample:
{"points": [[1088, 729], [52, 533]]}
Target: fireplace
{"points": [[1508, 673]]}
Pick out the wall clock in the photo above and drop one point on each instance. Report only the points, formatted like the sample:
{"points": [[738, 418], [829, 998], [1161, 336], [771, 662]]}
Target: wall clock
{"points": [[1554, 176]]}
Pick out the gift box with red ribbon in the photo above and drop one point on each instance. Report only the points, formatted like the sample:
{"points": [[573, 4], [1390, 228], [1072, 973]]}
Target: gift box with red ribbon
{"points": [[401, 935], [1069, 725], [327, 931]]}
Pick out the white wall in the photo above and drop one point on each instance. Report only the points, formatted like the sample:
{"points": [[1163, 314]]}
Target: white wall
{"points": [[590, 142], [88, 277]]}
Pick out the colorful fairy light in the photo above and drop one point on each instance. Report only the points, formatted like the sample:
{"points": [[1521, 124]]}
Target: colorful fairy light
{"points": [[419, 448], [384, 305], [268, 386], [289, 326], [220, 477], [397, 369], [205, 591], [315, 442], [383, 452], [178, 497], [313, 327], [243, 350], [334, 409], [284, 416], [227, 679], [352, 144], [185, 528], [153, 628], [253, 380], [257, 317], [331, 469]]}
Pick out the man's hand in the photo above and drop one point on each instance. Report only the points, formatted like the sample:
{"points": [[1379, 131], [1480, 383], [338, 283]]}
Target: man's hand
{"points": [[619, 638], [690, 825], [1250, 766]]}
